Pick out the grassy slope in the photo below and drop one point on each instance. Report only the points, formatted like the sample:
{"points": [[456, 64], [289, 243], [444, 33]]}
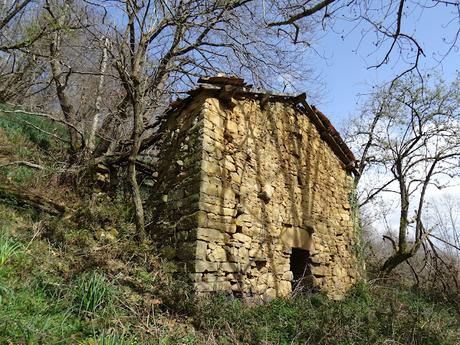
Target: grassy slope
{"points": [[83, 280]]}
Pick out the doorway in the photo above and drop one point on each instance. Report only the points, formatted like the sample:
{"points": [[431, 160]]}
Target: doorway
{"points": [[300, 268]]}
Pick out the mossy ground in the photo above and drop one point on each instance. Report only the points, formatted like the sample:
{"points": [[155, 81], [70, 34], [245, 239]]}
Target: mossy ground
{"points": [[83, 279]]}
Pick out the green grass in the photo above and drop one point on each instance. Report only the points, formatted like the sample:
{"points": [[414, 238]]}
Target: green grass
{"points": [[93, 292], [33, 309], [30, 315], [109, 339], [8, 248], [30, 138], [18, 174]]}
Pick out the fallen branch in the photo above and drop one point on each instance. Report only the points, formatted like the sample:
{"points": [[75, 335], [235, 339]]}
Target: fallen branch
{"points": [[24, 163], [28, 198]]}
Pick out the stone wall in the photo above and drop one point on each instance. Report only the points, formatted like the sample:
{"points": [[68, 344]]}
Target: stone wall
{"points": [[257, 181], [176, 192]]}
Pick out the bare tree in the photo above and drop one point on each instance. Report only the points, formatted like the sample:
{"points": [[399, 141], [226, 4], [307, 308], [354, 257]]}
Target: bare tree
{"points": [[147, 52], [10, 10], [18, 70], [164, 44], [444, 218], [383, 22], [409, 141]]}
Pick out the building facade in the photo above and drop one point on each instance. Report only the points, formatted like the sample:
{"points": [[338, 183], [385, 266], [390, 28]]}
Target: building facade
{"points": [[253, 194]]}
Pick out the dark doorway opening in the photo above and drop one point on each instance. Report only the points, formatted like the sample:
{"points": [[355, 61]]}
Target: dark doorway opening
{"points": [[300, 268]]}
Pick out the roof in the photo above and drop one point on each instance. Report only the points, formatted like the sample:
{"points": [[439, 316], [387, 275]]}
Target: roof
{"points": [[238, 88]]}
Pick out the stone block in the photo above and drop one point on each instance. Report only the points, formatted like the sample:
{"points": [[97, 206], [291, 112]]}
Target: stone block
{"points": [[212, 235], [255, 251], [270, 294], [211, 168], [296, 237], [218, 254], [191, 221], [228, 194], [205, 266], [211, 189], [243, 255], [215, 118], [195, 277], [209, 278], [229, 166], [232, 127], [284, 288], [235, 177], [203, 287], [287, 276], [201, 250], [320, 271], [230, 267], [242, 238], [217, 209], [222, 226]]}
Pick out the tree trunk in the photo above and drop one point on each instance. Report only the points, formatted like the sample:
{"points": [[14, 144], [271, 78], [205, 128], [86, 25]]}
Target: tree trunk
{"points": [[135, 190], [394, 261], [60, 81], [97, 117]]}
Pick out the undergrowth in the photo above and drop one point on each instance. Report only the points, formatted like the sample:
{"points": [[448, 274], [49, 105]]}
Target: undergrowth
{"points": [[368, 315], [71, 293]]}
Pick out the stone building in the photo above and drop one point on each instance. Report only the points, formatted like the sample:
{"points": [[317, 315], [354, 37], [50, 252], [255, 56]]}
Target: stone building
{"points": [[253, 193]]}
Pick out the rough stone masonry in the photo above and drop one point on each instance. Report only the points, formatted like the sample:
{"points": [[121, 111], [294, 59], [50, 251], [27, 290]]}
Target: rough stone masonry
{"points": [[253, 194]]}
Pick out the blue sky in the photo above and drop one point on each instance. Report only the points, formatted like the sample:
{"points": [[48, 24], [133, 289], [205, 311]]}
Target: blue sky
{"points": [[344, 70]]}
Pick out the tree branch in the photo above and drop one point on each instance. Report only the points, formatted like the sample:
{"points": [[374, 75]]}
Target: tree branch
{"points": [[306, 13]]}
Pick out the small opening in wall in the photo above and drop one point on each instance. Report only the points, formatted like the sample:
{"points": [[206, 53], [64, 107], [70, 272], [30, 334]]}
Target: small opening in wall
{"points": [[300, 268], [299, 180], [239, 229], [260, 264]]}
